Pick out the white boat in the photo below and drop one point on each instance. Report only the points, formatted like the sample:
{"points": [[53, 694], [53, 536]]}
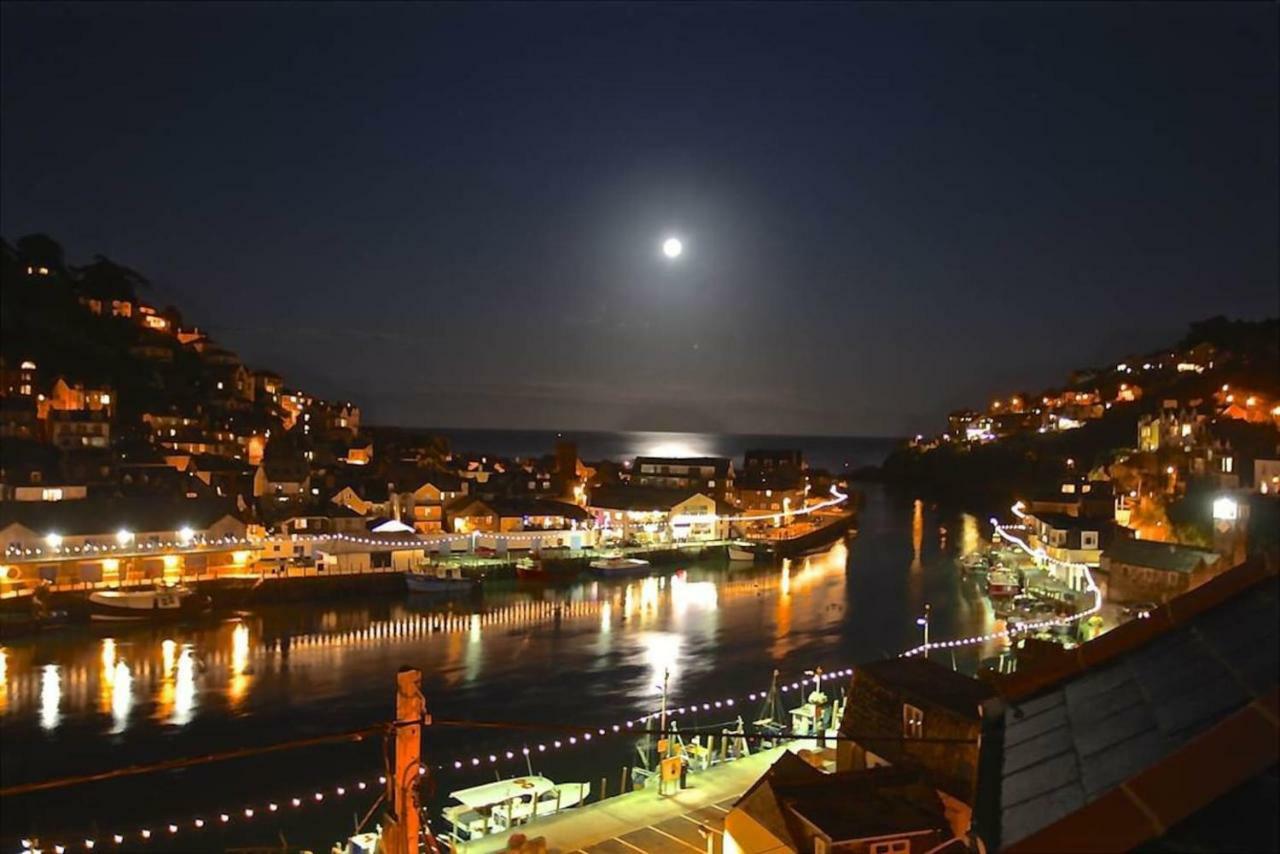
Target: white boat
{"points": [[498, 807], [156, 603], [741, 552], [612, 566]]}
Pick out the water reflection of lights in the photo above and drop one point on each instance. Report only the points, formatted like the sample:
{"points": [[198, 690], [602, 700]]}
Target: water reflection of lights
{"points": [[165, 671], [4, 679], [239, 682], [121, 697], [917, 535], [184, 698], [649, 594], [662, 654], [107, 675], [684, 594], [168, 655], [50, 696], [970, 536]]}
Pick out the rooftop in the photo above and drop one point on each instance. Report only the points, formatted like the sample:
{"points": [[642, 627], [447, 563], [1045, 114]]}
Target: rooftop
{"points": [[638, 497], [930, 682], [845, 806], [106, 515], [1169, 557], [1131, 733]]}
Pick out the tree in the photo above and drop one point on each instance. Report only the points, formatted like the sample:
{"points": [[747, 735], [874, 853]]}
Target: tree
{"points": [[104, 279], [41, 250]]}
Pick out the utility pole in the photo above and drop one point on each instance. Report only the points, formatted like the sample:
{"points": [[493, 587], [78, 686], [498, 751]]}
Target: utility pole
{"points": [[924, 621], [404, 823]]}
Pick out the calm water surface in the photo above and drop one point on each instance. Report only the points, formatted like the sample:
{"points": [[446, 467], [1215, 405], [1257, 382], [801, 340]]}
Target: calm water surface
{"points": [[85, 701]]}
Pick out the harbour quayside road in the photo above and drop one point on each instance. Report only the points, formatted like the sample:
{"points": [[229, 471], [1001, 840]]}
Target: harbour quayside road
{"points": [[54, 564]]}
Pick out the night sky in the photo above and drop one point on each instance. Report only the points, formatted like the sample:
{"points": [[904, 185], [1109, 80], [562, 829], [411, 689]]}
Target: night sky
{"points": [[452, 214]]}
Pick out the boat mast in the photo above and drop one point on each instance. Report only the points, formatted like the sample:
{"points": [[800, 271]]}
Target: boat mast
{"points": [[772, 708]]}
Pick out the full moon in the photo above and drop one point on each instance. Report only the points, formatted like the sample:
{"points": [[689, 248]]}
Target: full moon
{"points": [[672, 247]]}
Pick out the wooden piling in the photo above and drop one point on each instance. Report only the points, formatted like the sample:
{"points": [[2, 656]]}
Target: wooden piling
{"points": [[403, 820]]}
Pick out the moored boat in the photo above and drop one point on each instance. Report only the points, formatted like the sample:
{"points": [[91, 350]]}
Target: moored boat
{"points": [[741, 551], [439, 579], [531, 569], [1002, 583], [617, 566], [161, 602], [495, 808]]}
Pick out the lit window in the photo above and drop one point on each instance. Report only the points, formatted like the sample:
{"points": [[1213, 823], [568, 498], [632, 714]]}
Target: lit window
{"points": [[54, 494], [891, 846], [912, 721]]}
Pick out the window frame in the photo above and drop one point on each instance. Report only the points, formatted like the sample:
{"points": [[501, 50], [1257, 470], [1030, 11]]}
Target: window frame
{"points": [[912, 724]]}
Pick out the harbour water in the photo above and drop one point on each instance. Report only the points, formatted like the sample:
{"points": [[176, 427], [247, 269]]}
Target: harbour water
{"points": [[83, 701]]}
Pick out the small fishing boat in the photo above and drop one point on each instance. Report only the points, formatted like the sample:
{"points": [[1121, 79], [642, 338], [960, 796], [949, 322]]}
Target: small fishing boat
{"points": [[439, 579], [495, 808], [530, 569], [1002, 583], [742, 551], [619, 566], [162, 602]]}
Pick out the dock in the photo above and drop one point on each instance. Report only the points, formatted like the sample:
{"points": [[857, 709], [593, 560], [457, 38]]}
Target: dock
{"points": [[690, 819]]}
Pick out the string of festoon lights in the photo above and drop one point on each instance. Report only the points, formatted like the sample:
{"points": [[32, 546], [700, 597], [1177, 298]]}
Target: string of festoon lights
{"points": [[1003, 531], [125, 541], [311, 798]]}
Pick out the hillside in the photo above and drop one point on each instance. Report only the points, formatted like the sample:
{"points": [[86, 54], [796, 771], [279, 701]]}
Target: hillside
{"points": [[1223, 370]]}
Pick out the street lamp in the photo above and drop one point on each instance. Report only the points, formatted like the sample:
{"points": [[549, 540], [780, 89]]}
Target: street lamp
{"points": [[662, 718], [923, 621]]}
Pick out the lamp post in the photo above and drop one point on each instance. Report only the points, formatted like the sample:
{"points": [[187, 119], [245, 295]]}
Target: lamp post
{"points": [[923, 621], [662, 718]]}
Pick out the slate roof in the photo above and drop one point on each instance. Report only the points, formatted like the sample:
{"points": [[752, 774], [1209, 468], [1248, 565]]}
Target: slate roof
{"points": [[537, 507], [639, 497], [1117, 706], [845, 806], [518, 507], [104, 515], [931, 683], [1169, 557]]}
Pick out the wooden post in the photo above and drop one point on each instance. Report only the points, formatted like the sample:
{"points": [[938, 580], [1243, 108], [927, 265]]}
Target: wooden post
{"points": [[403, 820]]}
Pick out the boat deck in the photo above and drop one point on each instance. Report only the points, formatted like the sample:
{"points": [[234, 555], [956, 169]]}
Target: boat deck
{"points": [[646, 821]]}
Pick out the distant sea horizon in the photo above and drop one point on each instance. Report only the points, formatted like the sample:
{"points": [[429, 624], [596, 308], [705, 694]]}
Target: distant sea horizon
{"points": [[834, 453]]}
